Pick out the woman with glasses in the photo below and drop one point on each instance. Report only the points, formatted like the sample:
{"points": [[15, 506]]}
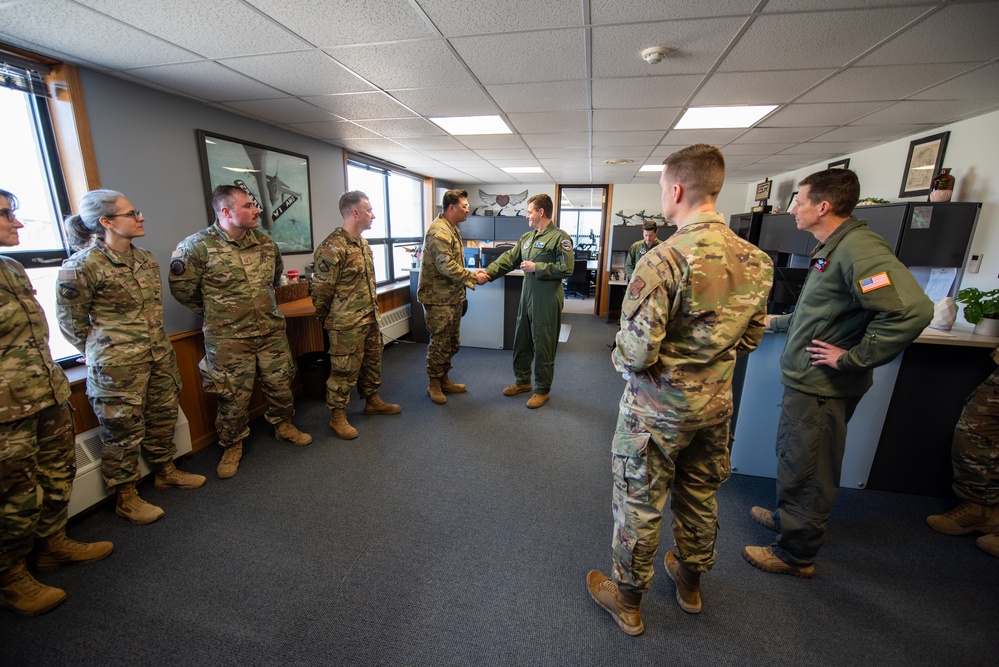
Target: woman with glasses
{"points": [[110, 308], [37, 448]]}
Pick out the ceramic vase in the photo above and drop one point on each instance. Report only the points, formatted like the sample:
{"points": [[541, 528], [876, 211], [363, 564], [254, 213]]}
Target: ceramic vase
{"points": [[943, 186], [987, 326]]}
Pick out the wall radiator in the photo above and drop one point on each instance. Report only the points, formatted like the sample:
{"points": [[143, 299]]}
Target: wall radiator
{"points": [[395, 324], [88, 486]]}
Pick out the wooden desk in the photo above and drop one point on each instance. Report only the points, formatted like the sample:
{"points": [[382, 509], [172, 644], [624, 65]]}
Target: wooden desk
{"points": [[305, 332]]}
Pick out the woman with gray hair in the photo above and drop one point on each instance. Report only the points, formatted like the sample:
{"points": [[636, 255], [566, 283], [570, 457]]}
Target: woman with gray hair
{"points": [[37, 448], [110, 308]]}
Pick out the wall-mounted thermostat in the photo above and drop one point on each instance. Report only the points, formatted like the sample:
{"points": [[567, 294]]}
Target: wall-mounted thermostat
{"points": [[974, 263]]}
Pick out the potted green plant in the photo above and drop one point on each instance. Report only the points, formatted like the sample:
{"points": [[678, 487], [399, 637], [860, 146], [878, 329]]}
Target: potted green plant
{"points": [[981, 309]]}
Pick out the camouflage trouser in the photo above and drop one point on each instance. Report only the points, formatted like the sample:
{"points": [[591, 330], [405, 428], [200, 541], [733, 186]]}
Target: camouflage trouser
{"points": [[37, 466], [444, 326], [646, 463], [975, 452], [137, 406], [355, 359], [228, 371]]}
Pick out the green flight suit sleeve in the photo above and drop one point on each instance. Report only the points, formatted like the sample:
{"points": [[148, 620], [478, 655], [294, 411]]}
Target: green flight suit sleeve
{"points": [[780, 323], [506, 262], [74, 297], [563, 264], [902, 310], [187, 267], [629, 263]]}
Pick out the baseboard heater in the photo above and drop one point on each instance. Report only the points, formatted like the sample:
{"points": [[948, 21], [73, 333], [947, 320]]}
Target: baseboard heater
{"points": [[395, 324], [88, 486]]}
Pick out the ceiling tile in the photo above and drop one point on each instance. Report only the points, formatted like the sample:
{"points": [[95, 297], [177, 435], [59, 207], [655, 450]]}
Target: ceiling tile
{"points": [[322, 21], [864, 84], [758, 150], [636, 153], [559, 152], [871, 133], [937, 112], [334, 130], [199, 26], [648, 138], [644, 91], [625, 11], [979, 83], [467, 101], [401, 65], [549, 96], [447, 155], [776, 87], [617, 49], [550, 123], [556, 55], [683, 138], [821, 147], [813, 39], [957, 33], [435, 143], [558, 141], [506, 154], [35, 23], [470, 18], [370, 146], [284, 110], [764, 135], [402, 127], [361, 105], [300, 73], [818, 115], [478, 141], [207, 80], [610, 120]]}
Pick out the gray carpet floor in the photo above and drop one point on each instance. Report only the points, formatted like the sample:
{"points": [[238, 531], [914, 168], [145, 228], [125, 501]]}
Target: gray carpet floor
{"points": [[461, 534]]}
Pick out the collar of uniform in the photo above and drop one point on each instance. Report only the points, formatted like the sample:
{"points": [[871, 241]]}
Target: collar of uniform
{"points": [[826, 248], [248, 239], [692, 221], [125, 259], [350, 238]]}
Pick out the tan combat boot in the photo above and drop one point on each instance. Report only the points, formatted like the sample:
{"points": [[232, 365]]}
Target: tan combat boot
{"points": [[287, 431], [168, 476], [376, 406], [537, 400], [230, 461], [989, 544], [688, 584], [57, 550], [624, 605], [435, 393], [449, 387], [134, 508], [339, 425], [24, 595], [966, 518], [517, 388]]}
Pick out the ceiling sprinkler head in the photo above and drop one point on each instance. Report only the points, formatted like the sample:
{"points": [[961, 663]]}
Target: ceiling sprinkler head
{"points": [[655, 54]]}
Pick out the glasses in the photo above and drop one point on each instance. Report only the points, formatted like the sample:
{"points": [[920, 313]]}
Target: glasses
{"points": [[7, 213], [135, 215]]}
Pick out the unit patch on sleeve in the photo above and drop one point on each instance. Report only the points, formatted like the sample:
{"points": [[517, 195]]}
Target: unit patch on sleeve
{"points": [[566, 245], [177, 267], [876, 281]]}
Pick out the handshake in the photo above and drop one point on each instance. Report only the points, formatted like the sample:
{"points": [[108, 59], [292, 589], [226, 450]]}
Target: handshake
{"points": [[481, 277]]}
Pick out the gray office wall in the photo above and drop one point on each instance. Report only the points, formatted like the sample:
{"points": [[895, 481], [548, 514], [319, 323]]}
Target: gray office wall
{"points": [[145, 144]]}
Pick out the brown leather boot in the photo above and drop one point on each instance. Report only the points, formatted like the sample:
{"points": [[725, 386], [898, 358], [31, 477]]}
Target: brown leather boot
{"points": [[168, 476], [537, 400], [24, 595], [339, 425], [376, 406], [688, 584], [449, 387], [517, 388], [623, 604], [230, 461], [57, 550], [134, 508], [288, 432], [435, 393], [966, 518]]}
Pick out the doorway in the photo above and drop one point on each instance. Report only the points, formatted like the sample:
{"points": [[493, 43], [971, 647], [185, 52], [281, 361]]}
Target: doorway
{"points": [[581, 211]]}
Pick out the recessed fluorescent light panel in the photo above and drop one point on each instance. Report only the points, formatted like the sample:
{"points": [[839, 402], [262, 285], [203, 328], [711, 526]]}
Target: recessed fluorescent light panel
{"points": [[651, 167], [460, 125], [524, 170], [705, 118]]}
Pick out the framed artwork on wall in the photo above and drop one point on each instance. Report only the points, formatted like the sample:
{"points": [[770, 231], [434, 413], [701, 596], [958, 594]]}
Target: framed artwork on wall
{"points": [[790, 202], [277, 180], [840, 164], [923, 163]]}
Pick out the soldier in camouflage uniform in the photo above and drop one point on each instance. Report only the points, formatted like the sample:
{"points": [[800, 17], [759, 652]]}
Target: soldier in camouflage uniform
{"points": [[695, 303], [443, 279], [545, 256], [343, 290], [975, 458], [226, 274], [37, 448], [639, 248], [109, 303]]}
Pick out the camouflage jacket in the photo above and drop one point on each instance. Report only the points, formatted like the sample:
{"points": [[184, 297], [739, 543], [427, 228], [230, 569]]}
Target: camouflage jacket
{"points": [[110, 306], [30, 381], [696, 302], [635, 253], [229, 283], [550, 250], [343, 282], [443, 276]]}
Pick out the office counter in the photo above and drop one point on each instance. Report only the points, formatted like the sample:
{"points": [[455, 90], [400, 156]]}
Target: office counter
{"points": [[899, 438]]}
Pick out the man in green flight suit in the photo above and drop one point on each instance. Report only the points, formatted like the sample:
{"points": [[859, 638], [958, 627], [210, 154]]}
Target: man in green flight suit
{"points": [[639, 248], [545, 257]]}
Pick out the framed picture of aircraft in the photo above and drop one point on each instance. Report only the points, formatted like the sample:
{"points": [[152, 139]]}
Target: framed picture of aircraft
{"points": [[277, 180]]}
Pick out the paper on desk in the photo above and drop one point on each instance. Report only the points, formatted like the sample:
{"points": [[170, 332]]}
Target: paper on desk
{"points": [[940, 282]]}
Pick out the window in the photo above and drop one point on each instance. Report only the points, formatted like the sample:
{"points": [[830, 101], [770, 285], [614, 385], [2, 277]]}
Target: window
{"points": [[584, 228], [397, 202], [30, 169]]}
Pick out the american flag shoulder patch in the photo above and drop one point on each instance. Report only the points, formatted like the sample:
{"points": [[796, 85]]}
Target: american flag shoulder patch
{"points": [[874, 282]]}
